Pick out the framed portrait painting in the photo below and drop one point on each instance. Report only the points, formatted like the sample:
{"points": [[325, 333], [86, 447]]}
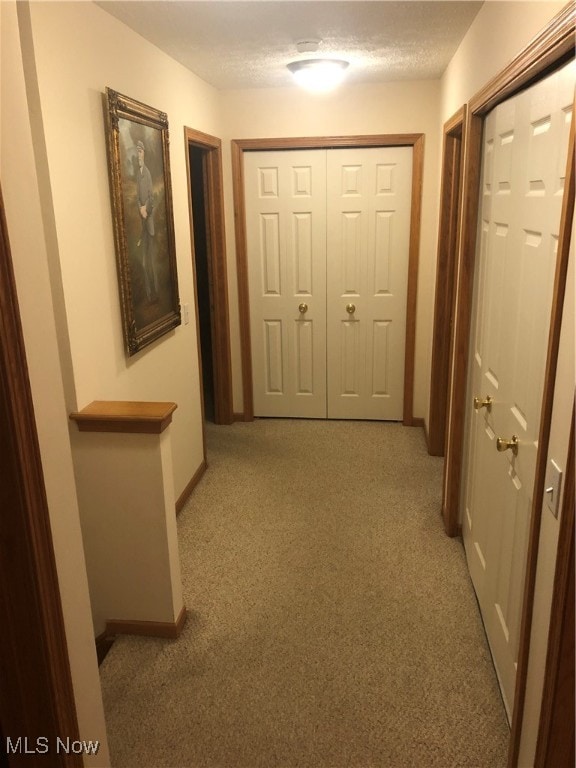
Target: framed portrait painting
{"points": [[139, 165]]}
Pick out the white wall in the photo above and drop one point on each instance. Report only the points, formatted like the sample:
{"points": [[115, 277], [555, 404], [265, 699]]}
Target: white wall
{"points": [[399, 107], [499, 32], [27, 239], [78, 50]]}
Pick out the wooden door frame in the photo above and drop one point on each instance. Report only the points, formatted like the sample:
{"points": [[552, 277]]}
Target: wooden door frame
{"points": [[444, 302], [552, 47], [547, 51], [219, 312], [239, 146], [36, 695]]}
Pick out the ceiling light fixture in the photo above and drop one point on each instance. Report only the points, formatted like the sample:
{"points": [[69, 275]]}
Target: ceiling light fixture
{"points": [[318, 74]]}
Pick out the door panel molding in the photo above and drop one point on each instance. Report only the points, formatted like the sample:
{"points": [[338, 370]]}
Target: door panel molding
{"points": [[239, 146], [553, 47], [220, 322]]}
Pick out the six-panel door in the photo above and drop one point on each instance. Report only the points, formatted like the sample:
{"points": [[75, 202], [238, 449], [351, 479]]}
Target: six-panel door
{"points": [[285, 194], [524, 161], [368, 214], [328, 243]]}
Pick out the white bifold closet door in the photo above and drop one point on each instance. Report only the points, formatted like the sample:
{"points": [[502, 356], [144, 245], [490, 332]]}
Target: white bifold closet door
{"points": [[285, 194], [328, 236], [524, 161]]}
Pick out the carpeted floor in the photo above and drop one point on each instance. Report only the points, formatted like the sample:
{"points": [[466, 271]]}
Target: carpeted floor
{"points": [[331, 622]]}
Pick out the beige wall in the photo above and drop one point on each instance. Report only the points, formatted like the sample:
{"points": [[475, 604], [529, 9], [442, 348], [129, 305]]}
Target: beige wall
{"points": [[59, 220], [400, 107], [28, 246], [78, 50], [128, 523], [57, 59], [498, 34]]}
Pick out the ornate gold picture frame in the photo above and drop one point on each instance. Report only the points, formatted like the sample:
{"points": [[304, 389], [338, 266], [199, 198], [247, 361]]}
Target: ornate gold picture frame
{"points": [[139, 164]]}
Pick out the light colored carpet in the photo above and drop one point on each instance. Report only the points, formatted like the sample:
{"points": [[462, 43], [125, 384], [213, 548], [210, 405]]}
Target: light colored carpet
{"points": [[331, 623]]}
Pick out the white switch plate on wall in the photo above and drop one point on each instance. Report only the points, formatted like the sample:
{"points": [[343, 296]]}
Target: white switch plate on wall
{"points": [[552, 487]]}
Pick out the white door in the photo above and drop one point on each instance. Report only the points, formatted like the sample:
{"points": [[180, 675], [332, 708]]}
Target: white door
{"points": [[369, 192], [524, 160], [285, 194], [328, 242]]}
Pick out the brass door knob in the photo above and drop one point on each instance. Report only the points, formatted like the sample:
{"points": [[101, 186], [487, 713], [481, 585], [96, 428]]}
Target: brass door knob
{"points": [[485, 403], [350, 308], [508, 445], [303, 308]]}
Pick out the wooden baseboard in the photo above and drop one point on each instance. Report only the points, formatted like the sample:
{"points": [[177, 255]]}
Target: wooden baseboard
{"points": [[167, 629], [238, 417], [426, 437], [455, 531], [103, 644], [184, 496], [418, 421]]}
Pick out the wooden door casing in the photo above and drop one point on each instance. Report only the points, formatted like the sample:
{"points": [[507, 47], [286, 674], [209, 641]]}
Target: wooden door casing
{"points": [[328, 231], [36, 695], [239, 148], [445, 294]]}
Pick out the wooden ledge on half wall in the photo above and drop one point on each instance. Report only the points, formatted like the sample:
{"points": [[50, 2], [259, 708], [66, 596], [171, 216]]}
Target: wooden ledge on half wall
{"points": [[124, 416]]}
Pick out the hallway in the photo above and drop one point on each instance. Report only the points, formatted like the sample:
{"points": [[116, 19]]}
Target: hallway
{"points": [[331, 621]]}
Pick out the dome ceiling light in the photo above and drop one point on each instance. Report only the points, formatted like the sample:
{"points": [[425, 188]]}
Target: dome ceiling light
{"points": [[317, 74]]}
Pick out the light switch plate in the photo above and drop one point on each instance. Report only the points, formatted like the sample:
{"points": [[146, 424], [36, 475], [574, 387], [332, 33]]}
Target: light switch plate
{"points": [[553, 487]]}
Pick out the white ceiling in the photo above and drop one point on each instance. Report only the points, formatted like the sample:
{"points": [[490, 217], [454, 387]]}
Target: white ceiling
{"points": [[247, 44]]}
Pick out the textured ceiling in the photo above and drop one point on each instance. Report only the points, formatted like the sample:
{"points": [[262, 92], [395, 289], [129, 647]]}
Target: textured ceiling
{"points": [[238, 44]]}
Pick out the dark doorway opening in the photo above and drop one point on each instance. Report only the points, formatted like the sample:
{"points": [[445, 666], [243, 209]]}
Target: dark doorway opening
{"points": [[200, 233], [444, 304], [204, 156]]}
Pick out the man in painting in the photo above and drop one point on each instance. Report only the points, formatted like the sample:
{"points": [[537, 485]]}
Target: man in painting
{"points": [[146, 209]]}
